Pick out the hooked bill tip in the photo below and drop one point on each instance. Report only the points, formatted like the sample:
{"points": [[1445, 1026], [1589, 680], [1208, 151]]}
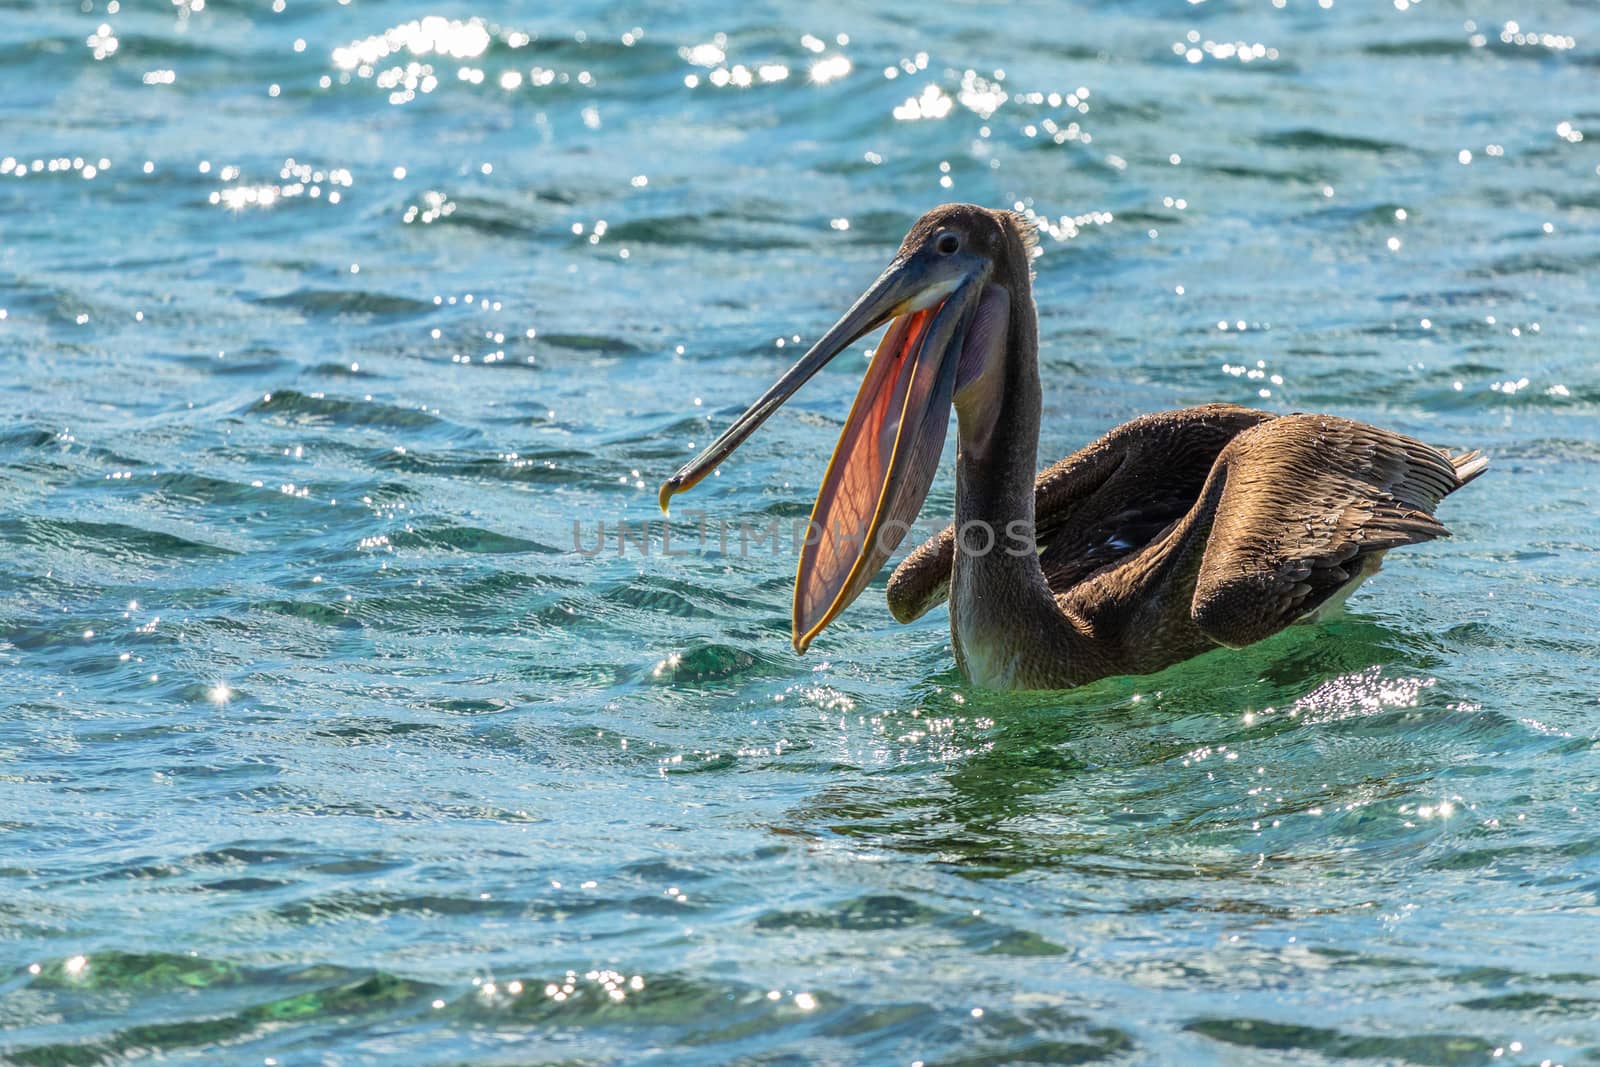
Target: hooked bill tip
{"points": [[668, 487]]}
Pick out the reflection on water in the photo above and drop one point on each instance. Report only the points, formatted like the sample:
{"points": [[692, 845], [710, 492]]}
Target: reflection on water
{"points": [[326, 325]]}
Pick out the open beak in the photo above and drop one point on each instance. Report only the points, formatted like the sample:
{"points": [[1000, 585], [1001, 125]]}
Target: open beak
{"points": [[889, 450]]}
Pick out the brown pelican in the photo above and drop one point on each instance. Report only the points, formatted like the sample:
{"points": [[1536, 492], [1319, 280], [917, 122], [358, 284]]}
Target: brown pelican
{"points": [[1171, 535]]}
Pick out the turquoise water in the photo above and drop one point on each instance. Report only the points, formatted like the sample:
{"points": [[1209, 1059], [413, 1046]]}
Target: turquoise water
{"points": [[321, 743]]}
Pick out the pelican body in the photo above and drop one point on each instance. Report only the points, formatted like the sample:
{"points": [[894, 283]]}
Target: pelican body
{"points": [[1171, 535]]}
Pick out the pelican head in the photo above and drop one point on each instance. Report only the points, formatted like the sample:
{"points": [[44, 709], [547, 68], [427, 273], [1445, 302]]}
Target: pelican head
{"points": [[947, 297]]}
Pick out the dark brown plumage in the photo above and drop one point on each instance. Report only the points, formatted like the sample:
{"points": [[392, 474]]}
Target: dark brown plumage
{"points": [[1214, 525]]}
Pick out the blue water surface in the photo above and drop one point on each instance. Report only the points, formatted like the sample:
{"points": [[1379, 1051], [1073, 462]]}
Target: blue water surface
{"points": [[332, 333]]}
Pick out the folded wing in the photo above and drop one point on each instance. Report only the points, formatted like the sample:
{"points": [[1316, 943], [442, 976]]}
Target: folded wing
{"points": [[1099, 505], [1303, 505]]}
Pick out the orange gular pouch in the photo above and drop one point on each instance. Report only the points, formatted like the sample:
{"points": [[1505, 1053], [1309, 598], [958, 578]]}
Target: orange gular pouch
{"points": [[884, 462]]}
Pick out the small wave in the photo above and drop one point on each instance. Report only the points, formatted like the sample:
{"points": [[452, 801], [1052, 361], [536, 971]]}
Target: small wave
{"points": [[714, 662], [602, 344], [321, 992], [881, 912], [468, 539], [112, 538], [1443, 1050], [553, 467], [1423, 46], [327, 302], [722, 230], [1306, 137], [299, 407]]}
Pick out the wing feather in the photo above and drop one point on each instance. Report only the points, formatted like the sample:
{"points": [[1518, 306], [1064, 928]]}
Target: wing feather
{"points": [[1099, 505], [1305, 502]]}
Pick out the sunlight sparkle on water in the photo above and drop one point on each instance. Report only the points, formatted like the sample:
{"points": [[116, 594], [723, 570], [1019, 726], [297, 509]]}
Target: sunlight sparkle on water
{"points": [[1365, 692], [435, 206], [453, 38], [933, 103], [296, 180], [830, 69], [980, 95], [709, 54], [103, 42]]}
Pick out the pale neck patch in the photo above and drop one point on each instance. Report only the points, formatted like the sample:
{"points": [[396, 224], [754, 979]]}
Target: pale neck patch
{"points": [[978, 377]]}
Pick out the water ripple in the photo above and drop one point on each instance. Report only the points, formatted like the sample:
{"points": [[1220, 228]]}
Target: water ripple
{"points": [[357, 708]]}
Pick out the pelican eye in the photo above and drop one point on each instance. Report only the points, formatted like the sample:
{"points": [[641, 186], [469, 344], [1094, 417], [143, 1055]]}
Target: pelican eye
{"points": [[948, 244]]}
